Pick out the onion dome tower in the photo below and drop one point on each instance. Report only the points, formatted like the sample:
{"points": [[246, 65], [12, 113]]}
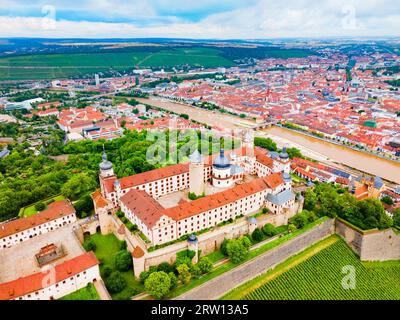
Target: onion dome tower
{"points": [[106, 167], [222, 176]]}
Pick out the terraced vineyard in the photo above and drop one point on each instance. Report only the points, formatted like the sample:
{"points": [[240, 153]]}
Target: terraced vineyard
{"points": [[320, 277]]}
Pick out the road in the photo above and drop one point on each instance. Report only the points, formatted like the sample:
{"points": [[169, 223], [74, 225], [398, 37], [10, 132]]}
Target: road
{"points": [[217, 287]]}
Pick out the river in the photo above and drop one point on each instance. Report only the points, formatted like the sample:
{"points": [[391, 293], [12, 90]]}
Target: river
{"points": [[313, 147], [387, 169]]}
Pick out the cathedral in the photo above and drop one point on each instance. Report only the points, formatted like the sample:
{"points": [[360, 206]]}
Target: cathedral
{"points": [[185, 198]]}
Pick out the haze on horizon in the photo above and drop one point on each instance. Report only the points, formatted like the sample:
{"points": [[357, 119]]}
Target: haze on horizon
{"points": [[208, 19]]}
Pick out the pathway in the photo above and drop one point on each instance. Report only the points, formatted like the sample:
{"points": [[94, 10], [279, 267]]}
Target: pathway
{"points": [[101, 290]]}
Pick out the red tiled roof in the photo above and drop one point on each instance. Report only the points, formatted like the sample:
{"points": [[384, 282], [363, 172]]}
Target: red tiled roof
{"points": [[188, 209], [37, 281], [99, 200], [153, 175], [143, 206], [137, 252], [54, 210]]}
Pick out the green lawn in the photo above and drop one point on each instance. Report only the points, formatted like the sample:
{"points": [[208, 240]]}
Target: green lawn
{"points": [[87, 293], [215, 256], [30, 210], [106, 249], [317, 273]]}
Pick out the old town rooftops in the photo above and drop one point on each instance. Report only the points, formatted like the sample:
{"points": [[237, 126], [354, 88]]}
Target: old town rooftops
{"points": [[34, 282], [54, 210]]}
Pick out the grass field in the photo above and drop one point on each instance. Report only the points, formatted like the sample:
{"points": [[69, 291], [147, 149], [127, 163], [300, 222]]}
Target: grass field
{"points": [[30, 210], [316, 273], [106, 249], [87, 293]]}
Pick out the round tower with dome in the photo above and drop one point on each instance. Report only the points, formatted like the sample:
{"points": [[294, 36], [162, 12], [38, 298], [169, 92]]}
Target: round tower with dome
{"points": [[196, 173], [106, 167], [221, 171]]}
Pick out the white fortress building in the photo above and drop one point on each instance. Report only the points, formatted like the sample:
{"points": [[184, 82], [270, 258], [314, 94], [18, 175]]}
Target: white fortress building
{"points": [[226, 185], [54, 283], [57, 215]]}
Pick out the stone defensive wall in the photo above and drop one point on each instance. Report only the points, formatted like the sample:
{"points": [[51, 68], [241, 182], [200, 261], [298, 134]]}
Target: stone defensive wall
{"points": [[218, 286], [370, 245]]}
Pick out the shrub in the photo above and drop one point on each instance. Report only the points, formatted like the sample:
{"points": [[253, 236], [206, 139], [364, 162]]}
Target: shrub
{"points": [[223, 247], [143, 276], [205, 265], [237, 250], [123, 245], [257, 235], [265, 210], [195, 271], [90, 245], [291, 228], [124, 219], [174, 279], [115, 282], [120, 214], [269, 230], [107, 270], [165, 266], [184, 273], [158, 284], [123, 260], [40, 206]]}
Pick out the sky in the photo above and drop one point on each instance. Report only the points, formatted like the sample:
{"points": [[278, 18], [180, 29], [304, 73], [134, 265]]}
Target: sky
{"points": [[200, 19]]}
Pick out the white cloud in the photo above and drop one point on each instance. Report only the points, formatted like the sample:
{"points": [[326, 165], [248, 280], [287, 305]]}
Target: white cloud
{"points": [[263, 19]]}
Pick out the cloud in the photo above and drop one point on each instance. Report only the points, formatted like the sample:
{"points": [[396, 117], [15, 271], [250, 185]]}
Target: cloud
{"points": [[218, 19]]}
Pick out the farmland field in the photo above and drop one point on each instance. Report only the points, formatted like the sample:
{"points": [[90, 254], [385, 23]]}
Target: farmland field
{"points": [[46, 66], [64, 65], [316, 274]]}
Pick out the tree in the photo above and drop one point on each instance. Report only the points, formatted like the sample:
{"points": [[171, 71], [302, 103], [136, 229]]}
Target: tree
{"points": [[299, 220], [174, 279], [294, 153], [310, 199], [184, 273], [90, 245], [77, 185], [195, 271], [223, 247], [107, 270], [237, 250], [265, 143], [165, 266], [388, 200], [205, 265], [158, 284], [143, 276], [396, 217], [123, 260], [257, 235], [291, 228], [84, 205], [269, 230], [115, 282], [40, 206], [371, 214]]}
